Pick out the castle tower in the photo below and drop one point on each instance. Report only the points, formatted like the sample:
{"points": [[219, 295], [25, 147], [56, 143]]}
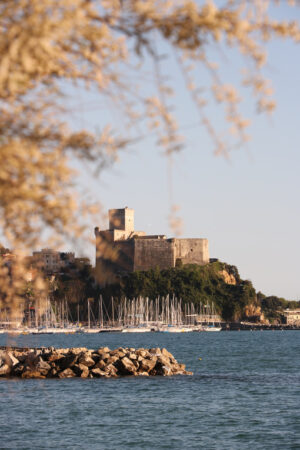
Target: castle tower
{"points": [[121, 219]]}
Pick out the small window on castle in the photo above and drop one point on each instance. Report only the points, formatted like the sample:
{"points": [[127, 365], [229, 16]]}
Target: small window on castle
{"points": [[192, 249]]}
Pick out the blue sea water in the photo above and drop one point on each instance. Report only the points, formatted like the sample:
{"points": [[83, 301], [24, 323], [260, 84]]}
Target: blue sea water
{"points": [[244, 394]]}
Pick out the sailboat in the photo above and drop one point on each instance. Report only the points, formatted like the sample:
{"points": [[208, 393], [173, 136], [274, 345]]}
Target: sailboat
{"points": [[211, 327]]}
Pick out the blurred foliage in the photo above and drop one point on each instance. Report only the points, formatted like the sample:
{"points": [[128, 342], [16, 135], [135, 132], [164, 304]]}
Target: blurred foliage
{"points": [[112, 48]]}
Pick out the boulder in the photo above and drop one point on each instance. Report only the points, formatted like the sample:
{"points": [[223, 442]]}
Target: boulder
{"points": [[104, 356], [86, 360], [125, 366], [21, 356], [42, 366], [13, 361], [53, 372], [32, 374], [155, 351], [30, 359], [66, 361], [5, 369], [111, 360], [165, 352], [103, 350], [84, 371], [18, 370], [100, 365], [163, 366], [77, 351], [53, 357], [120, 353], [111, 370], [143, 353], [67, 373], [98, 373], [146, 365], [164, 360]]}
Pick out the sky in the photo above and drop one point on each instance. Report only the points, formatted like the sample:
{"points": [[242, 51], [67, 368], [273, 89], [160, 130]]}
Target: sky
{"points": [[247, 206]]}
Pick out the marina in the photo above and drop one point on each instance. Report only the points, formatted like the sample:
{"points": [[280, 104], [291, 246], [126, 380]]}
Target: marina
{"points": [[139, 315]]}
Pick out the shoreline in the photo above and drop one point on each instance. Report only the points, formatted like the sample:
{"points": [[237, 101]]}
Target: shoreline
{"points": [[233, 326]]}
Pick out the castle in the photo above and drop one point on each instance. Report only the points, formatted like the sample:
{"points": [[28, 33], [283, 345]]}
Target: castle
{"points": [[121, 249]]}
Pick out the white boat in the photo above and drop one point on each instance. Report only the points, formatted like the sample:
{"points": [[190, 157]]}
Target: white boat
{"points": [[176, 329], [211, 328], [136, 330], [91, 330]]}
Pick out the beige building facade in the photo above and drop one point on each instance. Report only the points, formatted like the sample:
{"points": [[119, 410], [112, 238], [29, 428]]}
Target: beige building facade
{"points": [[52, 261], [292, 316], [121, 249]]}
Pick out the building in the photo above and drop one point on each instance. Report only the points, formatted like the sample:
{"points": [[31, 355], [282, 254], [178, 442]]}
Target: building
{"points": [[51, 261], [121, 249], [292, 316]]}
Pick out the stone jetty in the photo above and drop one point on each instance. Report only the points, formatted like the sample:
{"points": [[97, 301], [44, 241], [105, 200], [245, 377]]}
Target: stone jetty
{"points": [[50, 362]]}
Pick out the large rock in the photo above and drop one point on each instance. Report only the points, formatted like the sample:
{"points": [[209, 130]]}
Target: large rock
{"points": [[5, 369], [86, 360], [100, 365], [42, 366], [155, 351], [12, 360], [143, 353], [66, 361], [18, 370], [32, 374], [84, 370], [125, 366], [67, 373], [104, 356], [111, 370], [163, 366], [169, 355], [77, 351], [103, 350], [111, 360], [146, 365], [98, 373]]}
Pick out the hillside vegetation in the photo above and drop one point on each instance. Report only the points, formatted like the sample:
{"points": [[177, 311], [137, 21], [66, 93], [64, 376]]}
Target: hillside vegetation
{"points": [[235, 299], [192, 283]]}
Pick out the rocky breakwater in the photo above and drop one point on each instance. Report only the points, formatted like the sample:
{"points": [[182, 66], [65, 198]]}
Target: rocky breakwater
{"points": [[81, 362]]}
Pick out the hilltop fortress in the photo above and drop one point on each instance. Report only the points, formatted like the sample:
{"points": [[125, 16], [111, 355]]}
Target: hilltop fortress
{"points": [[121, 249]]}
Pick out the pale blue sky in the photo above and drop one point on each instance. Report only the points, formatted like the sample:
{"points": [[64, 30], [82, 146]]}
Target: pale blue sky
{"points": [[247, 207]]}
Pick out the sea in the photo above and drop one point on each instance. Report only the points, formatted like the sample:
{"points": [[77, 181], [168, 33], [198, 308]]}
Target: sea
{"points": [[244, 394]]}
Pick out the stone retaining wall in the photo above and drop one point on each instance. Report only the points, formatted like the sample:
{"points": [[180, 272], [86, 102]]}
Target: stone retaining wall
{"points": [[81, 362]]}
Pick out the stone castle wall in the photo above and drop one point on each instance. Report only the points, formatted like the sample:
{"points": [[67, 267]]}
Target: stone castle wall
{"points": [[151, 253], [192, 251]]}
